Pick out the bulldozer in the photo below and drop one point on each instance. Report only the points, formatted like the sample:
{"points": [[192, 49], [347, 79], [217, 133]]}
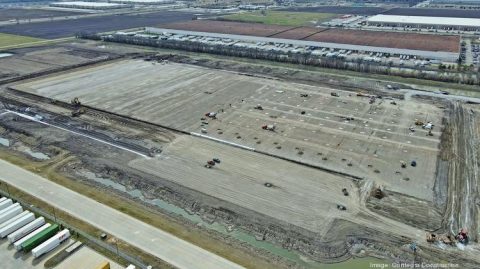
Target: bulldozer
{"points": [[78, 112], [76, 102]]}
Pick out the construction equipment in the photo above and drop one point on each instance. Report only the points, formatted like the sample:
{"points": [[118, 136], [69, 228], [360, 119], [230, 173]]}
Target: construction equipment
{"points": [[462, 236], [269, 127], [258, 107], [341, 207], [413, 163], [403, 164], [345, 192], [217, 160], [378, 193], [428, 126], [78, 112], [210, 164], [303, 95], [212, 115], [334, 94], [419, 123], [76, 102], [362, 94]]}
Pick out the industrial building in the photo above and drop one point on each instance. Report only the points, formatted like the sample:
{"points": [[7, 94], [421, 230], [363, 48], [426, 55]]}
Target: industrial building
{"points": [[89, 5], [444, 23]]}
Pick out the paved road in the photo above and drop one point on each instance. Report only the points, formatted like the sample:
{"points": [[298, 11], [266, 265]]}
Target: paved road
{"points": [[165, 246]]}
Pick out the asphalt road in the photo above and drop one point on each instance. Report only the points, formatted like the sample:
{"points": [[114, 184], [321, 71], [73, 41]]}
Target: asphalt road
{"points": [[165, 246]]}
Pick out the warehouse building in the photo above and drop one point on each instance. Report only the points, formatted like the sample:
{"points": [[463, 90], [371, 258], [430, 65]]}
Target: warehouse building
{"points": [[444, 23], [89, 5]]}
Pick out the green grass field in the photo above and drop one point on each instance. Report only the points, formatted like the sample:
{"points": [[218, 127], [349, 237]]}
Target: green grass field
{"points": [[281, 17], [7, 40]]}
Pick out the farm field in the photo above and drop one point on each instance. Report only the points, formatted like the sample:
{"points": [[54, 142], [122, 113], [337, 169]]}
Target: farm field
{"points": [[227, 27], [11, 40], [339, 10], [342, 36], [345, 133], [282, 17], [66, 28], [23, 13], [299, 33], [389, 40]]}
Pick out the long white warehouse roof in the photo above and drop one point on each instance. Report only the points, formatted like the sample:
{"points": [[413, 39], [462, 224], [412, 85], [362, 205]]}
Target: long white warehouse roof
{"points": [[425, 20]]}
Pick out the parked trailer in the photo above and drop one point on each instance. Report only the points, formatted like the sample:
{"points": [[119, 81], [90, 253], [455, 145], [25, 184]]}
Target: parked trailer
{"points": [[18, 245], [26, 229], [3, 199], [131, 266], [12, 227], [8, 208], [51, 243], [10, 214], [5, 203], [13, 219], [39, 238]]}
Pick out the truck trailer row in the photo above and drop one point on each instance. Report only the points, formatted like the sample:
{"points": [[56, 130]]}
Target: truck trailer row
{"points": [[26, 232]]}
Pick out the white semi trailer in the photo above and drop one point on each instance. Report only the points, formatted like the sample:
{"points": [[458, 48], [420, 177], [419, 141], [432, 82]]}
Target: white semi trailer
{"points": [[18, 245], [51, 243], [12, 227], [25, 230], [6, 205], [10, 214], [15, 218], [3, 199]]}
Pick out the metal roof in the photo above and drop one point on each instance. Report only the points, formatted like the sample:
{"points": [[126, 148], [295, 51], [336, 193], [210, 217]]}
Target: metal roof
{"points": [[448, 56], [426, 20]]}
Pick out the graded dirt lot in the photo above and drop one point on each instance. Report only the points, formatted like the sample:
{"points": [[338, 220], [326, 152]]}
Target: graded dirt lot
{"points": [[346, 133], [66, 28], [389, 40], [33, 60], [309, 203]]}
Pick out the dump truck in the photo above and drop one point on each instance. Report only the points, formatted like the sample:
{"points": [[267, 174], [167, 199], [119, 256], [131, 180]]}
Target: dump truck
{"points": [[39, 238], [18, 244], [10, 214], [26, 230], [51, 243], [12, 227]]}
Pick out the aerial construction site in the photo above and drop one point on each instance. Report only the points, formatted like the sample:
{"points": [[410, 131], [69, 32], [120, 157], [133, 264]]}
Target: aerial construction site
{"points": [[317, 166], [287, 147]]}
